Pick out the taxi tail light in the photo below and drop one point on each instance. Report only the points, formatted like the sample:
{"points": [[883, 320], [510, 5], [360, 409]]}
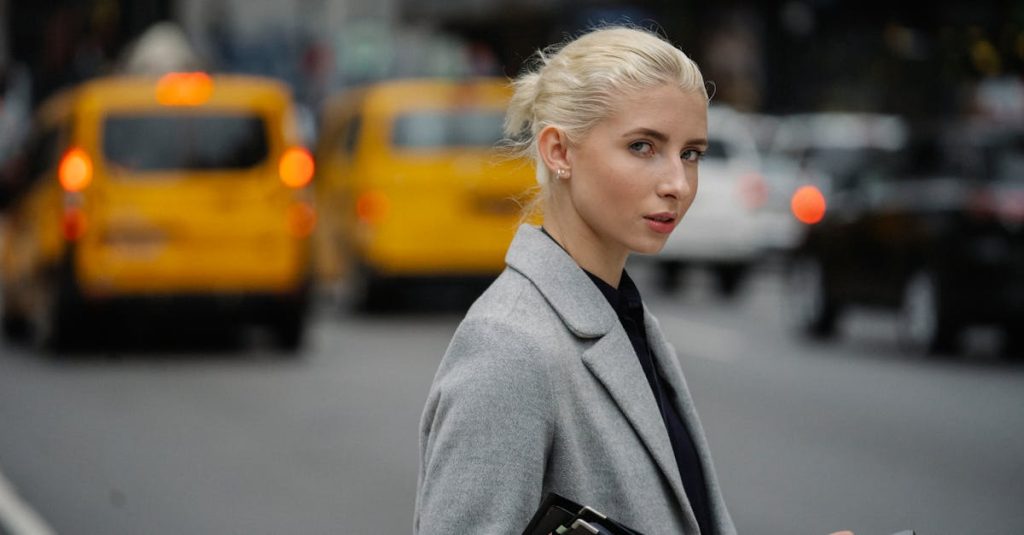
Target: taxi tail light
{"points": [[73, 224], [301, 219], [373, 207], [296, 167], [753, 190], [75, 170]]}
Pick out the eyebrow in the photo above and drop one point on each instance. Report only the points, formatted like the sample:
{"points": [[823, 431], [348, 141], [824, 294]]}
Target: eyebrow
{"points": [[662, 137]]}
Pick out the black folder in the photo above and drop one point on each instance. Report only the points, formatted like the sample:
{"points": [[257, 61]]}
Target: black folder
{"points": [[558, 512]]}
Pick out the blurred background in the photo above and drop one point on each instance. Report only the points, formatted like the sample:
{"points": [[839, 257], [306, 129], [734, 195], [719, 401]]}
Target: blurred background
{"points": [[238, 235]]}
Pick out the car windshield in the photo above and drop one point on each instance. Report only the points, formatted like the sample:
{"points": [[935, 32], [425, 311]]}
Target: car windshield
{"points": [[437, 129], [162, 142]]}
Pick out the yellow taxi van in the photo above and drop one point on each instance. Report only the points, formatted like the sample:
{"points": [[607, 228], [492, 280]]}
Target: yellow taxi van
{"points": [[411, 184], [187, 193]]}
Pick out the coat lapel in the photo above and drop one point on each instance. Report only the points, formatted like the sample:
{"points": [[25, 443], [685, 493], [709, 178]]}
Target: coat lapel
{"points": [[561, 281], [610, 359], [668, 366]]}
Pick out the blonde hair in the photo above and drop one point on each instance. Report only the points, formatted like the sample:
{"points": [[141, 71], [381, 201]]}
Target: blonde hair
{"points": [[574, 86]]}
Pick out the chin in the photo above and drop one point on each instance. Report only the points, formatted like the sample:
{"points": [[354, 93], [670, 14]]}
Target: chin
{"points": [[649, 247]]}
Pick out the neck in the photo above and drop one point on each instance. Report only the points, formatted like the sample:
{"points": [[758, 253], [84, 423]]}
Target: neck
{"points": [[589, 252]]}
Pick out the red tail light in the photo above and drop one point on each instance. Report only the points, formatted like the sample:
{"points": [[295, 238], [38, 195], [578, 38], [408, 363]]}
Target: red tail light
{"points": [[753, 190], [301, 219], [73, 224], [1008, 207], [373, 207], [808, 205], [296, 167], [75, 170]]}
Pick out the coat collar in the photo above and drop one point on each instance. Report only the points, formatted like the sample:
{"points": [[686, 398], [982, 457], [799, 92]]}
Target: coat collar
{"points": [[561, 281]]}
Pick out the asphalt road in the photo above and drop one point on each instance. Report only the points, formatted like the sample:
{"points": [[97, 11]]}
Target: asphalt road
{"points": [[808, 438]]}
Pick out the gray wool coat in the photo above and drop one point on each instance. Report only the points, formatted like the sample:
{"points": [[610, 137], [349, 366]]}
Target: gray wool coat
{"points": [[540, 390]]}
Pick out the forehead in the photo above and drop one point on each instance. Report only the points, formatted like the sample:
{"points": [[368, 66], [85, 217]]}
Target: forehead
{"points": [[666, 108]]}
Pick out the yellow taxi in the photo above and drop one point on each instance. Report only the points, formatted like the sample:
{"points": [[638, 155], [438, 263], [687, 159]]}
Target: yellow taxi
{"points": [[186, 189], [412, 184]]}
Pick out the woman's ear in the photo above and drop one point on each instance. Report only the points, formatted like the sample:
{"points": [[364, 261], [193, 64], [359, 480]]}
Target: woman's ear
{"points": [[553, 146]]}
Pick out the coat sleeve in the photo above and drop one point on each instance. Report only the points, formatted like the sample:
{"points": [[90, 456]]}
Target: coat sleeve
{"points": [[485, 433]]}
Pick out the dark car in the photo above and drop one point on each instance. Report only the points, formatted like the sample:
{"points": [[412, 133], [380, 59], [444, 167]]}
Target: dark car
{"points": [[935, 234]]}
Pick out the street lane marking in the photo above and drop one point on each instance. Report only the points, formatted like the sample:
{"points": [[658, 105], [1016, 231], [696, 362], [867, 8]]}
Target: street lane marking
{"points": [[16, 516]]}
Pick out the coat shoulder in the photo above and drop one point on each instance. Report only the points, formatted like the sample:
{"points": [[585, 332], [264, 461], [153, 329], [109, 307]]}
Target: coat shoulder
{"points": [[489, 418], [506, 341], [512, 302]]}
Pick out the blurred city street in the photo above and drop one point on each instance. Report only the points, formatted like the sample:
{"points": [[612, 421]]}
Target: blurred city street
{"points": [[808, 438], [233, 234]]}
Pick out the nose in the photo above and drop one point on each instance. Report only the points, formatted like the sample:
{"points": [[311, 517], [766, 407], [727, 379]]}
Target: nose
{"points": [[679, 181]]}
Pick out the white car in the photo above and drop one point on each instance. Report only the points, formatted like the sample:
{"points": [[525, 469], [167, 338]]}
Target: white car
{"points": [[731, 222]]}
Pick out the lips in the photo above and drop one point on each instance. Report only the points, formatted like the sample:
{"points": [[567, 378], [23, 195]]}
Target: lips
{"points": [[663, 217], [662, 222]]}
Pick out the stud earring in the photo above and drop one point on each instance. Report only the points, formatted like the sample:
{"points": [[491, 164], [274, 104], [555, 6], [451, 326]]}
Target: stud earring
{"points": [[562, 173]]}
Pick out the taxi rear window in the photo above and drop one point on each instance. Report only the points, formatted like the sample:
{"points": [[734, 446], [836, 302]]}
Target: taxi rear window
{"points": [[184, 142], [436, 129]]}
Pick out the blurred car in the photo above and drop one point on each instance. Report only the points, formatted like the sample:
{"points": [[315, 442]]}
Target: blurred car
{"points": [[827, 146], [412, 185], [823, 148], [730, 224], [935, 234], [186, 192]]}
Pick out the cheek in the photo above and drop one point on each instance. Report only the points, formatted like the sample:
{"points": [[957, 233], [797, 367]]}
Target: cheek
{"points": [[613, 184], [628, 181], [614, 189], [626, 196]]}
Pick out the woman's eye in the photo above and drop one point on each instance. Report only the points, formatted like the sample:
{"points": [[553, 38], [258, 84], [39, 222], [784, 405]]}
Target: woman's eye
{"points": [[691, 155], [642, 147]]}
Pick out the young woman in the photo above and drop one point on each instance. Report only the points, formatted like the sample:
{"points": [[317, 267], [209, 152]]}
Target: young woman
{"points": [[558, 379]]}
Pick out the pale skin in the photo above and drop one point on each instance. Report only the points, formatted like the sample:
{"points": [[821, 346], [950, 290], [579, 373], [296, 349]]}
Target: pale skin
{"points": [[626, 185], [628, 182]]}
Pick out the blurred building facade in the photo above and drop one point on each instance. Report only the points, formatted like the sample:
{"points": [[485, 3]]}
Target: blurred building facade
{"points": [[777, 56], [782, 56]]}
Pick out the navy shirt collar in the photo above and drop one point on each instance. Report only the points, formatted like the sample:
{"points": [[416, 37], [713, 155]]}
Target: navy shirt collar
{"points": [[625, 300]]}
